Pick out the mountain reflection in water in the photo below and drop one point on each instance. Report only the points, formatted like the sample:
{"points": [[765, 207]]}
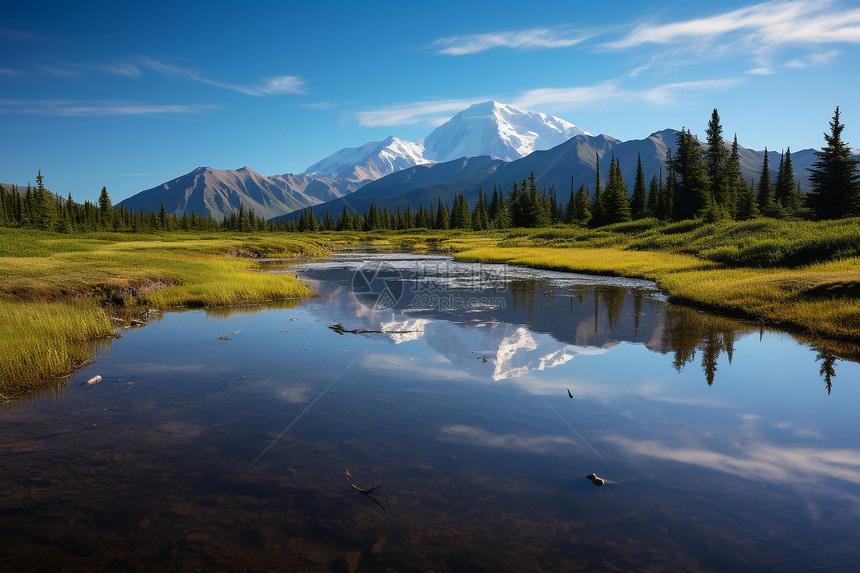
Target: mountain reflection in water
{"points": [[479, 397]]}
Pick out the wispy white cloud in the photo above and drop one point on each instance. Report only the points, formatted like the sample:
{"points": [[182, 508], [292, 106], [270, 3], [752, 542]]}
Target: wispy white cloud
{"points": [[19, 35], [814, 59], [415, 112], [74, 108], [119, 69], [568, 98], [670, 93], [269, 86], [435, 112], [760, 33], [61, 71], [318, 105], [770, 23], [531, 39]]}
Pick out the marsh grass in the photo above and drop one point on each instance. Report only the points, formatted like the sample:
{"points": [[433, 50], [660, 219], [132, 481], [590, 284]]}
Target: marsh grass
{"points": [[54, 288], [43, 340]]}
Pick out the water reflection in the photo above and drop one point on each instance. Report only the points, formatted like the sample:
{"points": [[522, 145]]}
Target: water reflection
{"points": [[523, 320], [480, 400]]}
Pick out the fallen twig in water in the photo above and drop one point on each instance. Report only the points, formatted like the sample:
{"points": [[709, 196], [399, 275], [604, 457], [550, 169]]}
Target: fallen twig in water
{"points": [[227, 336], [341, 330], [293, 328], [364, 491]]}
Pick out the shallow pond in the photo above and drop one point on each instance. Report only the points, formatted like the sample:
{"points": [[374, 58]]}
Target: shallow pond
{"points": [[479, 397]]}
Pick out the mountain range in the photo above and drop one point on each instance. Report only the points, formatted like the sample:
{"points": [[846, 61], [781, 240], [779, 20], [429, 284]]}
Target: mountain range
{"points": [[565, 166], [484, 129], [486, 145]]}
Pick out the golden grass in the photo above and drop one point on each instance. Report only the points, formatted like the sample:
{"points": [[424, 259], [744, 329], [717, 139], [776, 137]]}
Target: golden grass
{"points": [[53, 287], [43, 340], [819, 299]]}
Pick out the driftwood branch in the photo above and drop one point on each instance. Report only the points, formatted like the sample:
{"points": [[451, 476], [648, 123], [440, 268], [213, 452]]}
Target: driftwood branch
{"points": [[227, 336], [366, 491], [341, 330]]}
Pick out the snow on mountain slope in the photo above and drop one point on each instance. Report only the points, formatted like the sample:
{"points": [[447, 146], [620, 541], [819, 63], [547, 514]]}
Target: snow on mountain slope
{"points": [[488, 128], [496, 129], [371, 161]]}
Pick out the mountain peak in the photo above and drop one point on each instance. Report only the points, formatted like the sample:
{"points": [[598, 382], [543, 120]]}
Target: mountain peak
{"points": [[497, 129]]}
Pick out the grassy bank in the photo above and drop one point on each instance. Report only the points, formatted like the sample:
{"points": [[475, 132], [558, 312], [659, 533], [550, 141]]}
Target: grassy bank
{"points": [[800, 275], [57, 292]]}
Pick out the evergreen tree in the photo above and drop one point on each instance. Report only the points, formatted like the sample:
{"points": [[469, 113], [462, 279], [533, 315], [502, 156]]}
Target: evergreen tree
{"points": [[765, 189], [732, 180], [162, 217], [787, 191], [834, 177], [581, 207], [597, 214], [4, 206], [666, 207], [653, 196], [44, 213], [715, 157], [570, 213], [442, 219], [692, 189], [105, 208], [328, 222], [481, 216], [639, 199], [537, 206], [502, 217], [616, 206], [747, 203]]}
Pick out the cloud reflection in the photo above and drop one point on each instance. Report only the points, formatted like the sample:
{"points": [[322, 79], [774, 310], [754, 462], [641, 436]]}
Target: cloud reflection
{"points": [[473, 436]]}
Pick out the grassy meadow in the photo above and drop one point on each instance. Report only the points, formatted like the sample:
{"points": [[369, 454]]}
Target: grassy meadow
{"points": [[59, 292]]}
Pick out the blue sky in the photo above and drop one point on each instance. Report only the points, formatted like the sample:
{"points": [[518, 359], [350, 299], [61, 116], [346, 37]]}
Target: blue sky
{"points": [[129, 95]]}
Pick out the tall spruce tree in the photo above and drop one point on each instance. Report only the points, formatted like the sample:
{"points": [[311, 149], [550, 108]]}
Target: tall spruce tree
{"points": [[582, 207], [692, 187], [834, 177], [715, 157], [639, 199], [616, 206], [597, 213], [765, 189]]}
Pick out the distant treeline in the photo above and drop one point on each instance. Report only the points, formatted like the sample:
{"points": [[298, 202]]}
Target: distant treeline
{"points": [[38, 208], [700, 181]]}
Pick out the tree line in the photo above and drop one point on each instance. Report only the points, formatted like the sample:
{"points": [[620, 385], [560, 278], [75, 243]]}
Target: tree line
{"points": [[700, 180], [38, 208]]}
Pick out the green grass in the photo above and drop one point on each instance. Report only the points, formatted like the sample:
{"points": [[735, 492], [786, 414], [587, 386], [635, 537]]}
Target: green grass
{"points": [[54, 289]]}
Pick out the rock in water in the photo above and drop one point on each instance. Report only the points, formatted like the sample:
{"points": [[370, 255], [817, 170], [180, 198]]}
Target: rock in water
{"points": [[93, 380]]}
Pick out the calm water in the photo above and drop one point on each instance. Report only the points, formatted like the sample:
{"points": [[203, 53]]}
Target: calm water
{"points": [[725, 447]]}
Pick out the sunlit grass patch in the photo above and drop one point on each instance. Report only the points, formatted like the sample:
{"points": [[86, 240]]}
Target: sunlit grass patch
{"points": [[41, 340]]}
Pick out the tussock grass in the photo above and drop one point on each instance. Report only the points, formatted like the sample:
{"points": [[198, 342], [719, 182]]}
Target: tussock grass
{"points": [[53, 288], [43, 340]]}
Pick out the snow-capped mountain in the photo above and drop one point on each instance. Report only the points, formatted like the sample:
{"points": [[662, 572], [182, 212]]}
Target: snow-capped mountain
{"points": [[498, 130], [372, 160], [487, 128]]}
